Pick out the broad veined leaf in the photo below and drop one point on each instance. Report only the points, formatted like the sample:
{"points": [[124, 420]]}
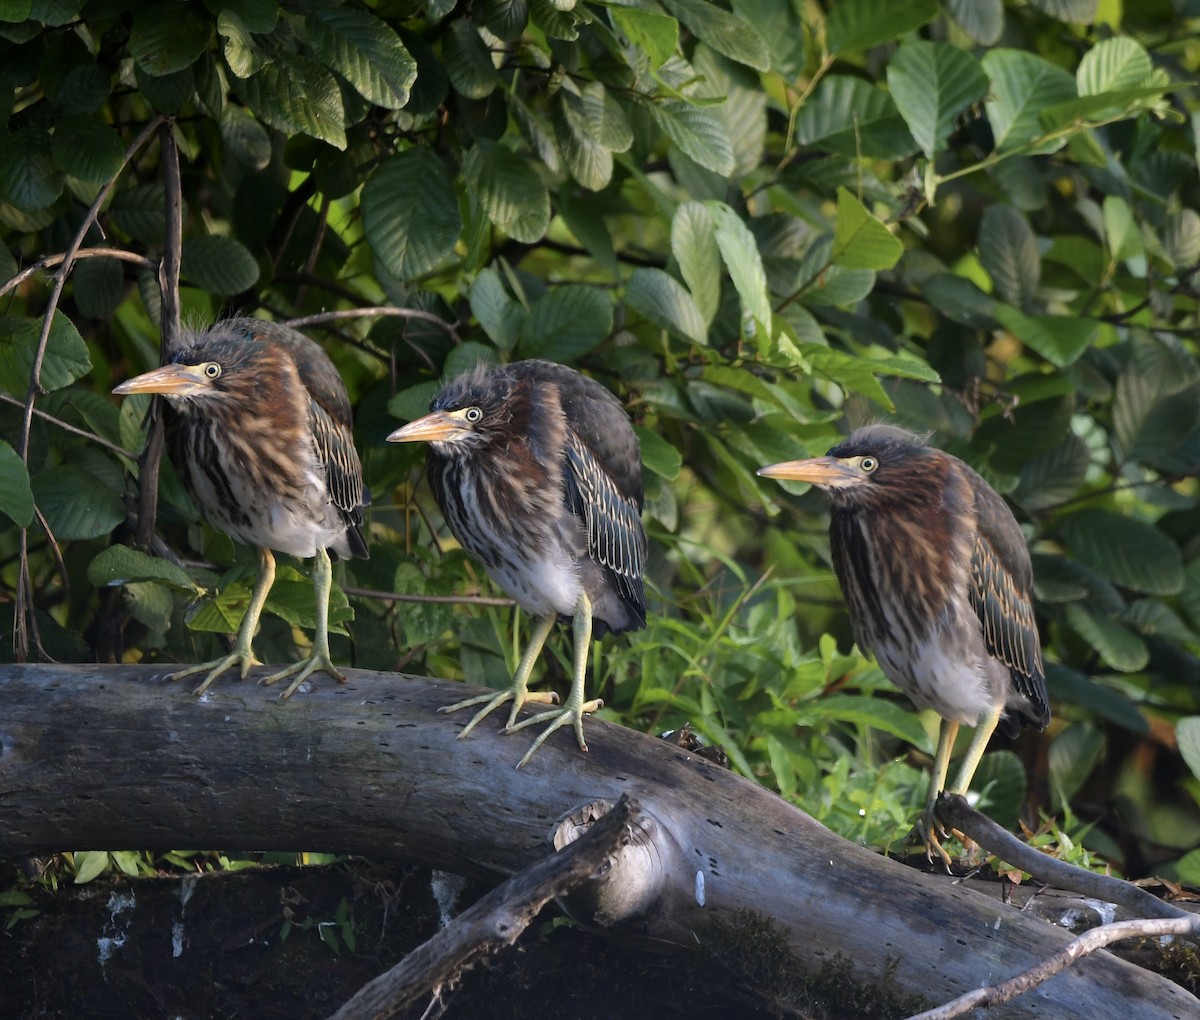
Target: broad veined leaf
{"points": [[982, 20], [739, 252], [366, 52], [246, 138], [1074, 12], [931, 83], [1187, 734], [88, 149], [29, 178], [97, 285], [566, 323], [666, 302], [468, 61], [694, 245], [1055, 476], [410, 213], [657, 35], [1073, 754], [1120, 230], [1023, 85], [119, 564], [699, 133], [1115, 643], [1008, 251], [296, 95], [1127, 551], [168, 37], [65, 360], [1113, 65], [499, 314], [724, 32], [16, 496], [218, 264], [75, 503], [658, 455], [862, 24], [1060, 339], [510, 189], [852, 117], [860, 241]]}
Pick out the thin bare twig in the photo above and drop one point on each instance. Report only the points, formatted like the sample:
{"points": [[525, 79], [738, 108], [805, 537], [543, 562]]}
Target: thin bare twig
{"points": [[23, 610], [1086, 943], [68, 427], [50, 261], [321, 318]]}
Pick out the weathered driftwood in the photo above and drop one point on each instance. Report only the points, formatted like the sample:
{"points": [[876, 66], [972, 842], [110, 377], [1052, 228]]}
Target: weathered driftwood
{"points": [[113, 757]]}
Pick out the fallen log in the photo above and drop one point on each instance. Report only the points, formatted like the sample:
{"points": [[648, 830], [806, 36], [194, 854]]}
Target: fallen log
{"points": [[113, 757]]}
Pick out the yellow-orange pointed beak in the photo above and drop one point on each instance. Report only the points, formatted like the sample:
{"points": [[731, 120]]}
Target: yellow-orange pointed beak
{"points": [[173, 380], [435, 427], [828, 472]]}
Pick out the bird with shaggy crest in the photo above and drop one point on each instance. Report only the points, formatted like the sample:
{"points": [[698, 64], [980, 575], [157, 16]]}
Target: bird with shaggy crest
{"points": [[938, 580], [258, 426], [537, 471]]}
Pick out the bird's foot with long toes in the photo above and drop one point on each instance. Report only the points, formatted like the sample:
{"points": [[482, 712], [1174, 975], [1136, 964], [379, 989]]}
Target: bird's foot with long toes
{"points": [[302, 670], [572, 712], [930, 832], [517, 694], [216, 667]]}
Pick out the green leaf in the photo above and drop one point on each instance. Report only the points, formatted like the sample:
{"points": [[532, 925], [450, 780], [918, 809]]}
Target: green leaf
{"points": [[167, 37], [982, 20], [90, 864], [141, 211], [864, 711], [860, 241], [1113, 65], [366, 52], [852, 117], [739, 252], [1121, 232], [1149, 420], [29, 178], [586, 159], [65, 359], [1181, 237], [1023, 85], [510, 189], [76, 504], [931, 84], [863, 24], [16, 497], [410, 213], [1187, 735], [1060, 339], [1008, 251], [566, 323], [119, 564], [960, 299], [245, 137], [468, 61], [694, 245], [858, 374], [506, 19], [658, 455], [724, 32], [699, 133], [88, 149], [242, 53], [499, 314], [98, 285], [655, 34], [412, 402], [1074, 12], [296, 95], [1129, 552], [218, 264], [1055, 476], [663, 300]]}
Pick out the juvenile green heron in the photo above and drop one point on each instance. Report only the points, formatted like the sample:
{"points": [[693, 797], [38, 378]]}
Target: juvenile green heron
{"points": [[537, 471], [258, 424], [937, 577]]}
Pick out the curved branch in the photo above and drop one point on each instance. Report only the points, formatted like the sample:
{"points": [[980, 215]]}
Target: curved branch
{"points": [[50, 261]]}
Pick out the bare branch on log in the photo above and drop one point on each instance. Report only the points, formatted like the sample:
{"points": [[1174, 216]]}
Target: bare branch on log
{"points": [[495, 921], [1086, 943], [113, 757], [954, 811]]}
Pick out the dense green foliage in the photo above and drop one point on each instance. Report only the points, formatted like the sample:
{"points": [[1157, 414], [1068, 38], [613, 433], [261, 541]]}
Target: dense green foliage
{"points": [[758, 222]]}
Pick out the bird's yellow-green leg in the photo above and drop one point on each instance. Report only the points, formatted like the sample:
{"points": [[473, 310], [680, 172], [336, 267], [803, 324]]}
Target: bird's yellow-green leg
{"points": [[518, 691], [928, 829], [242, 651], [319, 659], [575, 708]]}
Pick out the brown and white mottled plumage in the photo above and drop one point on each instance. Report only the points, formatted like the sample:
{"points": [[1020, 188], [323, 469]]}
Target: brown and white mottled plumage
{"points": [[939, 584], [258, 426], [537, 471]]}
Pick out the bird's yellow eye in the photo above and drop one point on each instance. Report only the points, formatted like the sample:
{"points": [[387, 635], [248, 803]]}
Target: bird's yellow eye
{"points": [[472, 415], [211, 370], [868, 464]]}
